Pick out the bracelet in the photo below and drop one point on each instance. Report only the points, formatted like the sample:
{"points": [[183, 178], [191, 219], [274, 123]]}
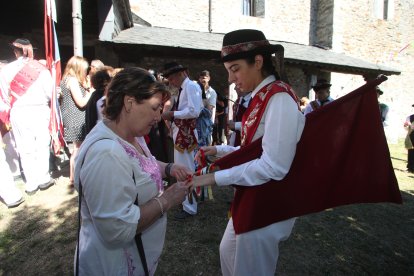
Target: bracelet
{"points": [[159, 203], [168, 169]]}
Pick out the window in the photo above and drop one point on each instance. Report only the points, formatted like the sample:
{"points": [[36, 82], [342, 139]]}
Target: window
{"points": [[253, 8], [384, 9]]}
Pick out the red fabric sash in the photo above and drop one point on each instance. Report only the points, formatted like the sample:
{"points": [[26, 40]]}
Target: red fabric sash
{"points": [[186, 139], [24, 79], [253, 114], [343, 147]]}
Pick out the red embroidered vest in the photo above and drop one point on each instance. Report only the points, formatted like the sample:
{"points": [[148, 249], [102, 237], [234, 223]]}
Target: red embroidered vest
{"points": [[252, 206]]}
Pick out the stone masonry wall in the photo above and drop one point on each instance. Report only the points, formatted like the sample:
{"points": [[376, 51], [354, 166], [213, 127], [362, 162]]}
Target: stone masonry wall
{"points": [[284, 20], [347, 26], [387, 42], [324, 23]]}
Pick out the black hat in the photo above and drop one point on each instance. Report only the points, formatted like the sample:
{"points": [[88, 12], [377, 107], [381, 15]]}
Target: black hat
{"points": [[24, 45], [204, 73], [171, 68], [378, 90], [245, 43], [20, 42], [321, 84]]}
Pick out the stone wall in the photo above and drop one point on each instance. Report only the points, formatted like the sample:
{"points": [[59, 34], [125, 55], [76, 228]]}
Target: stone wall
{"points": [[324, 23], [389, 42], [283, 20], [348, 27]]}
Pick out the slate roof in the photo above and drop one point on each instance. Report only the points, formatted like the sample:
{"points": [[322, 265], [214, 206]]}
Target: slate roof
{"points": [[295, 54]]}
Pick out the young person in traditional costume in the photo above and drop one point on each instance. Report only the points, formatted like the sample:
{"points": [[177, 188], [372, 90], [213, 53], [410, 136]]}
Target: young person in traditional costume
{"points": [[250, 244], [184, 116], [322, 91], [29, 84], [122, 196]]}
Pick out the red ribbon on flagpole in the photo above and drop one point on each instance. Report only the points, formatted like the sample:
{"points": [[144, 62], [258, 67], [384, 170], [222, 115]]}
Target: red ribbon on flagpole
{"points": [[53, 64]]}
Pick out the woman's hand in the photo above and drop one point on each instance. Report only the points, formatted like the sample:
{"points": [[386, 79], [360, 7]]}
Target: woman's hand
{"points": [[209, 150], [202, 180], [176, 193], [180, 172]]}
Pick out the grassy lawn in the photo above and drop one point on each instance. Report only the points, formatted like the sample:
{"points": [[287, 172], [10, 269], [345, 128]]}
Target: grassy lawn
{"points": [[39, 237]]}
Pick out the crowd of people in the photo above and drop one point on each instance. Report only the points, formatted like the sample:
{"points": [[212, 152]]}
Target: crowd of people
{"points": [[139, 138]]}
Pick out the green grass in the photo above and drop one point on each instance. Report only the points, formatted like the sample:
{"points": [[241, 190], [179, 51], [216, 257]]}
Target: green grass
{"points": [[39, 237]]}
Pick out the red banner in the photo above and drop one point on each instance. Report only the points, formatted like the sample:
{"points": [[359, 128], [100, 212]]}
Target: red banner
{"points": [[342, 158]]}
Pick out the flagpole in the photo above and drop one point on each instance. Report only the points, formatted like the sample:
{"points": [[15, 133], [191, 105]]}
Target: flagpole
{"points": [[77, 28]]}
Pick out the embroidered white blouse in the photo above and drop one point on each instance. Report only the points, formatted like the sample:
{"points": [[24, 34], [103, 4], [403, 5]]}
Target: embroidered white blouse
{"points": [[109, 215]]}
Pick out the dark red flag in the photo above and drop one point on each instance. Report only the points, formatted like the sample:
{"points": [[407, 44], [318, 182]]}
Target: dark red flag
{"points": [[342, 158]]}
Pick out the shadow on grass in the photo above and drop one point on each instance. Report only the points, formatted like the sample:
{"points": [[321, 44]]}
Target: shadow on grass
{"points": [[399, 159], [363, 239], [39, 241]]}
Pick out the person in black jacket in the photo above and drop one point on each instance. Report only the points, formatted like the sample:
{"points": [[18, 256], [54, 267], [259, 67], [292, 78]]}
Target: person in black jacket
{"points": [[99, 81]]}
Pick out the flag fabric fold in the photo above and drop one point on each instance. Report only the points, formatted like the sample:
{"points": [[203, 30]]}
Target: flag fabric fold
{"points": [[342, 158], [53, 64]]}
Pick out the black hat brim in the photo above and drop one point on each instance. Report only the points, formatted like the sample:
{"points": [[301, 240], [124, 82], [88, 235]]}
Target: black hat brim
{"points": [[268, 49], [168, 73], [322, 86], [17, 48]]}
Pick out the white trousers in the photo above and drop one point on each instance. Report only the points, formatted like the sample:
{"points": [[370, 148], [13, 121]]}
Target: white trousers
{"points": [[186, 159], [31, 132], [255, 252], [12, 157], [8, 191]]}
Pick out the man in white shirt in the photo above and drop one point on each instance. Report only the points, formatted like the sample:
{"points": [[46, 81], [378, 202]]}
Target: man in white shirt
{"points": [[184, 115], [29, 84], [211, 95], [322, 91]]}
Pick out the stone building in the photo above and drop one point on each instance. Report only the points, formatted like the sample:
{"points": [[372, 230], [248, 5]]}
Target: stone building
{"points": [[378, 31], [335, 39]]}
